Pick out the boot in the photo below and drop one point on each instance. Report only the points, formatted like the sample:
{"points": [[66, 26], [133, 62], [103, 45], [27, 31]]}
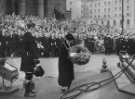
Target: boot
{"points": [[64, 89], [32, 84], [28, 92]]}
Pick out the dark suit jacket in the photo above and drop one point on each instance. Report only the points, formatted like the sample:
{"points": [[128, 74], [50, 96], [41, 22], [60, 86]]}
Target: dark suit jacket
{"points": [[29, 54]]}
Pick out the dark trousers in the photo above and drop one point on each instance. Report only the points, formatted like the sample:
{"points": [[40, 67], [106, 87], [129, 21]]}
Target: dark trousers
{"points": [[28, 76], [29, 84]]}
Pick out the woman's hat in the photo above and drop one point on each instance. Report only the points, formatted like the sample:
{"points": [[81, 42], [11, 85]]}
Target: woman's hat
{"points": [[69, 37]]}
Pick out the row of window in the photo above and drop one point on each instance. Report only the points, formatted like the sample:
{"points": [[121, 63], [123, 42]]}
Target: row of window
{"points": [[109, 14], [115, 23], [109, 2], [99, 10], [116, 8], [120, 22]]}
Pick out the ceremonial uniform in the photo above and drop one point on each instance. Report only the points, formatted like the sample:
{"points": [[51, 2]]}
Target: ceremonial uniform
{"points": [[2, 45], [28, 55], [131, 46], [108, 43]]}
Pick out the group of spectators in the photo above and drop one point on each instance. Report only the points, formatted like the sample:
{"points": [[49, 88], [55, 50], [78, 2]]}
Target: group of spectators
{"points": [[49, 32], [46, 32]]}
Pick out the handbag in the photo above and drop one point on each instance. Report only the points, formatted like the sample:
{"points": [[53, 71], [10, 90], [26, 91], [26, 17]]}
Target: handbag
{"points": [[39, 71]]}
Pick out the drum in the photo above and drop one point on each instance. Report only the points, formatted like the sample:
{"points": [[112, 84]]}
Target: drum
{"points": [[79, 55], [8, 71]]}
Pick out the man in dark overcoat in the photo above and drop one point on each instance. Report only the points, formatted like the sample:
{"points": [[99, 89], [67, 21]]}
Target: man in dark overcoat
{"points": [[108, 44], [2, 45], [65, 65], [28, 57]]}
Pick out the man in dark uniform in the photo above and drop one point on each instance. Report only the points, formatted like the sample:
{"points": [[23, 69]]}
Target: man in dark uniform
{"points": [[29, 54], [131, 46], [13, 44], [65, 65], [108, 44], [117, 49], [2, 45], [123, 44], [89, 43]]}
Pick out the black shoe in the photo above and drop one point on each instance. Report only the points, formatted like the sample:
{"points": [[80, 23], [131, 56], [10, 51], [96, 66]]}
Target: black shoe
{"points": [[64, 89], [32, 87], [28, 90], [29, 95]]}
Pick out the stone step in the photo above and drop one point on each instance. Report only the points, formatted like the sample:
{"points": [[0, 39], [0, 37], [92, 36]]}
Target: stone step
{"points": [[125, 82]]}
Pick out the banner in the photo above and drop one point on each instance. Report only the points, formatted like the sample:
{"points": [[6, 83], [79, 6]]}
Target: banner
{"points": [[58, 15]]}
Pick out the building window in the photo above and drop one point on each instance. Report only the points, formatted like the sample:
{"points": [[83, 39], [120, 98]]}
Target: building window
{"points": [[120, 8], [109, 2], [128, 21], [98, 10], [95, 5], [120, 22], [128, 7], [108, 23], [91, 11], [104, 9], [128, 14], [120, 14], [115, 1], [114, 22], [108, 9], [104, 2], [102, 22]]}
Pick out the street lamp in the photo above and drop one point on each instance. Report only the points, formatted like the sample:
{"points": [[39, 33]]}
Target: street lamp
{"points": [[122, 21]]}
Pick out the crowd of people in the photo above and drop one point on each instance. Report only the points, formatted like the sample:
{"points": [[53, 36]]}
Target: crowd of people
{"points": [[45, 31], [31, 37], [49, 32]]}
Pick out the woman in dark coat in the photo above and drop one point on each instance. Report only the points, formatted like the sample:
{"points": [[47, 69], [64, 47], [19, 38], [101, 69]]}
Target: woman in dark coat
{"points": [[29, 54], [65, 65]]}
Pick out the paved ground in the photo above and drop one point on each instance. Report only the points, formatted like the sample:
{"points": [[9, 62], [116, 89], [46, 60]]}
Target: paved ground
{"points": [[48, 88]]}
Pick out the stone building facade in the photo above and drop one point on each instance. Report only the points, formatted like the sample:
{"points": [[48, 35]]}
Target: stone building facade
{"points": [[110, 12], [42, 8]]}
